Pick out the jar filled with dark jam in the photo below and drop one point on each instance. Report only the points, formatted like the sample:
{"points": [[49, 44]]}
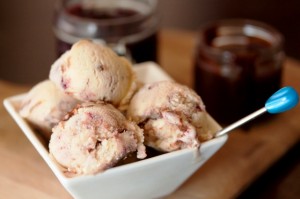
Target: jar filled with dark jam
{"points": [[127, 26], [238, 65]]}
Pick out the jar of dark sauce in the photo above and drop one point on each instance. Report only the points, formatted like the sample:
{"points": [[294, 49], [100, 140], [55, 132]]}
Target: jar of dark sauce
{"points": [[127, 26], [238, 65]]}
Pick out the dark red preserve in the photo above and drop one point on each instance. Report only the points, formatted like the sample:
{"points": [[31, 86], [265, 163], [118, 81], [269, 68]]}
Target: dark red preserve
{"points": [[238, 66], [128, 26]]}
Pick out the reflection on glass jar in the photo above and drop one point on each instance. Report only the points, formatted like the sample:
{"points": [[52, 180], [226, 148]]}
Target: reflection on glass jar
{"points": [[128, 26], [238, 65]]}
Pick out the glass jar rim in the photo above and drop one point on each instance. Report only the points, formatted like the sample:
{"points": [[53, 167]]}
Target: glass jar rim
{"points": [[248, 27], [61, 6]]}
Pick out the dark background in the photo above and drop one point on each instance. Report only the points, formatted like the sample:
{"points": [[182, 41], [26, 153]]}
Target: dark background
{"points": [[27, 42], [282, 14]]}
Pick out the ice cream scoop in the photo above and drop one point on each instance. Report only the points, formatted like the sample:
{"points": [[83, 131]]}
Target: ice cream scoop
{"points": [[92, 72], [172, 115], [93, 138], [45, 105]]}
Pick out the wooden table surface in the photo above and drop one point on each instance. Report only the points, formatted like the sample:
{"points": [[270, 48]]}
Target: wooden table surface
{"points": [[245, 156]]}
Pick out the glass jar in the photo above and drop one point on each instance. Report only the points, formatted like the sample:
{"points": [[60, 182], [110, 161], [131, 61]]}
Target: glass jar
{"points": [[238, 65], [128, 26]]}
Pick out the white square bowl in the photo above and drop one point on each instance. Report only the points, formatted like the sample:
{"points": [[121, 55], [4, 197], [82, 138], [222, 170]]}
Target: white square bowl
{"points": [[150, 178]]}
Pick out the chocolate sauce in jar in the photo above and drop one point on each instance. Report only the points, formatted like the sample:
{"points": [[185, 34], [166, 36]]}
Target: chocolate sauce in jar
{"points": [[127, 26], [238, 65]]}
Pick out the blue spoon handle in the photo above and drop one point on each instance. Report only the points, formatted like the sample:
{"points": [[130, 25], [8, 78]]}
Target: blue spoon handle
{"points": [[282, 100]]}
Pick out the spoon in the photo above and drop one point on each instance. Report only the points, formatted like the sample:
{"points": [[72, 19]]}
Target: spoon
{"points": [[284, 99]]}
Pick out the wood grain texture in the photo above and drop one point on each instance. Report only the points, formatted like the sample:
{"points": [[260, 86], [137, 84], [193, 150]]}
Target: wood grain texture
{"points": [[246, 155]]}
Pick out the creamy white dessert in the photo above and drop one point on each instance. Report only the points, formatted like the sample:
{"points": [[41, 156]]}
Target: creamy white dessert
{"points": [[173, 116], [93, 138], [92, 72], [45, 105]]}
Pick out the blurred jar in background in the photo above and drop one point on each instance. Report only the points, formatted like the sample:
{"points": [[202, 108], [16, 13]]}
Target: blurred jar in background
{"points": [[127, 26], [238, 65]]}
